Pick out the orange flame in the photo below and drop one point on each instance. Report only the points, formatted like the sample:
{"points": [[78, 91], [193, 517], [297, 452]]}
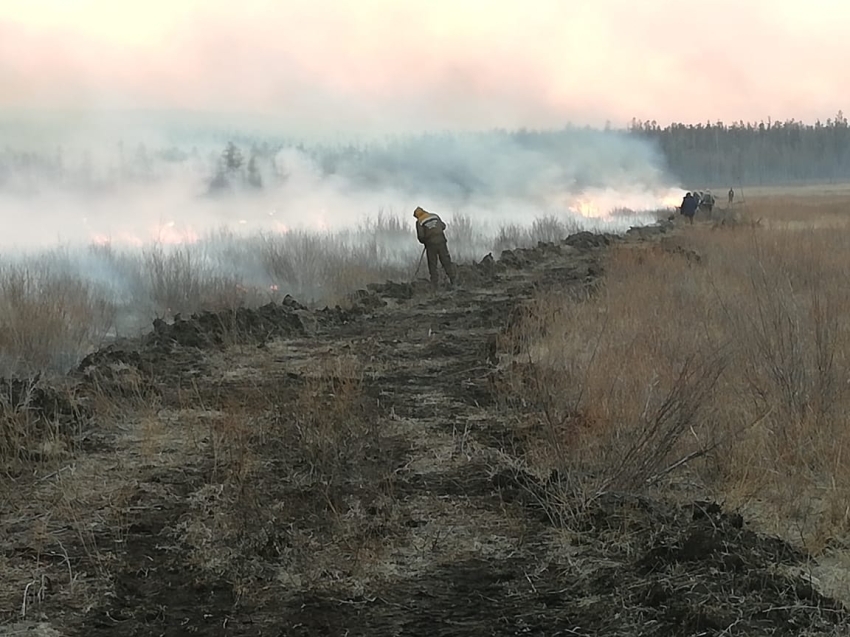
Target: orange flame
{"points": [[170, 234]]}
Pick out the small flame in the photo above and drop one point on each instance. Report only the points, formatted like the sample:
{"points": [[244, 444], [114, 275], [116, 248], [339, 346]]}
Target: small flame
{"points": [[132, 239], [587, 208], [170, 234]]}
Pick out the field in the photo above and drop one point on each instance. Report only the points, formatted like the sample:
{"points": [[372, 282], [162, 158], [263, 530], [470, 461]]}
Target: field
{"points": [[636, 434]]}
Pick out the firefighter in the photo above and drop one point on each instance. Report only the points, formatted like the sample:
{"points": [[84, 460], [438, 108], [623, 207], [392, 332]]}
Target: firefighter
{"points": [[431, 232], [689, 206]]}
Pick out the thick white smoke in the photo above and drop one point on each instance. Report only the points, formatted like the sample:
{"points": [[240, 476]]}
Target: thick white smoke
{"points": [[135, 194]]}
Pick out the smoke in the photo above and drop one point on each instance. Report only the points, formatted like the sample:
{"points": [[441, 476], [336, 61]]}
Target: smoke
{"points": [[183, 220], [175, 193]]}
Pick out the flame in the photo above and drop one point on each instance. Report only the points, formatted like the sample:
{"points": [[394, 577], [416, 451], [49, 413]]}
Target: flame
{"points": [[170, 234], [100, 239], [587, 208], [132, 239], [671, 202], [603, 203]]}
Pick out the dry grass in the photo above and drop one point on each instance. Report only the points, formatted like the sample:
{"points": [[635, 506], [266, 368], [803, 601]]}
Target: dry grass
{"points": [[292, 473], [61, 304], [276, 473], [720, 352], [48, 317]]}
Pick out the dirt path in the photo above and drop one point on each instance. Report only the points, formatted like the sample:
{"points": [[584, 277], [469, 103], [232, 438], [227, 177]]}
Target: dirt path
{"points": [[349, 472]]}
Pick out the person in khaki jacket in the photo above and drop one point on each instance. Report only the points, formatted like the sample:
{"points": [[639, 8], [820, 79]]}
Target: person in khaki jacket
{"points": [[431, 232]]}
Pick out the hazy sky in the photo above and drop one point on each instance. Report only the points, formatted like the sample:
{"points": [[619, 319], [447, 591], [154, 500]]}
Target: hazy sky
{"points": [[384, 65]]}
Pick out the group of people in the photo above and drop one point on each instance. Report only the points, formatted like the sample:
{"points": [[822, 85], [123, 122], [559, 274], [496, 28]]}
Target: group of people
{"points": [[693, 201]]}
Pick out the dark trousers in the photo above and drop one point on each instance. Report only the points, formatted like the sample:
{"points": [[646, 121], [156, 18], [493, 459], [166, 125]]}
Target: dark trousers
{"points": [[439, 250]]}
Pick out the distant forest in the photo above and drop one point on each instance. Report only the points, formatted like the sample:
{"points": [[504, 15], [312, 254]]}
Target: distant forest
{"points": [[710, 155], [762, 153]]}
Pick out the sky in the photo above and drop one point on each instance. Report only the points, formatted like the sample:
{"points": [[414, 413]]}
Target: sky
{"points": [[398, 65]]}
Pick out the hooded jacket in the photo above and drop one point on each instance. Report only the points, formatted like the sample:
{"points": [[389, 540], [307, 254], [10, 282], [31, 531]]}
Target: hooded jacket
{"points": [[429, 227]]}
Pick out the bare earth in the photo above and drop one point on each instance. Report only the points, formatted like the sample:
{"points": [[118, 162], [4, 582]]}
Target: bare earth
{"points": [[353, 472]]}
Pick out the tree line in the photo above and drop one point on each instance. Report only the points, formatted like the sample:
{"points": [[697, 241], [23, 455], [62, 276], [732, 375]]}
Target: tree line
{"points": [[697, 155], [753, 153]]}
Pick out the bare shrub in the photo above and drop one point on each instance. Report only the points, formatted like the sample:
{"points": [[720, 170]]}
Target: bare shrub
{"points": [[181, 282], [467, 239], [549, 229], [48, 319], [591, 429], [33, 427], [731, 369]]}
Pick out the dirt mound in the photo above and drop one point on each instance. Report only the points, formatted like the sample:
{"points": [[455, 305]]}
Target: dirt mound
{"points": [[521, 258], [397, 291], [365, 302], [115, 355], [117, 370], [38, 400], [213, 329], [646, 232], [587, 240]]}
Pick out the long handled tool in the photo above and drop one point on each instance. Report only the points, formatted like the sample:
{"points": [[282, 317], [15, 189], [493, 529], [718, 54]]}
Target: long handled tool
{"points": [[415, 274]]}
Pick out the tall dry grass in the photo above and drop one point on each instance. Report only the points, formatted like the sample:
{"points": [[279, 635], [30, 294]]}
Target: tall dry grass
{"points": [[48, 317], [726, 374], [57, 305]]}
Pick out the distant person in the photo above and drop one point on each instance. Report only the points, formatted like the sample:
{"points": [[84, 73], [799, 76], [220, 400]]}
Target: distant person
{"points": [[431, 232], [731, 196], [689, 206], [707, 202]]}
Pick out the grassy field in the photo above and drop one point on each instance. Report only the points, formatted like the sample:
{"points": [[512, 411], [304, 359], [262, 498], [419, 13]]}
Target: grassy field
{"points": [[740, 328], [615, 436]]}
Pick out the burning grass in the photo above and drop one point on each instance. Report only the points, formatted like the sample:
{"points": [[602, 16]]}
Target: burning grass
{"points": [[61, 304], [715, 361]]}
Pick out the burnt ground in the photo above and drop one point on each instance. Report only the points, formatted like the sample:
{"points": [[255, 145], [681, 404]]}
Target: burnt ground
{"points": [[351, 471]]}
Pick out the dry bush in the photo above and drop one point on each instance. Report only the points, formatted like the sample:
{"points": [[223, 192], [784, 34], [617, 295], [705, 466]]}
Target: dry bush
{"points": [[610, 393], [180, 280], [39, 422], [735, 365], [24, 436], [48, 319], [549, 229]]}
